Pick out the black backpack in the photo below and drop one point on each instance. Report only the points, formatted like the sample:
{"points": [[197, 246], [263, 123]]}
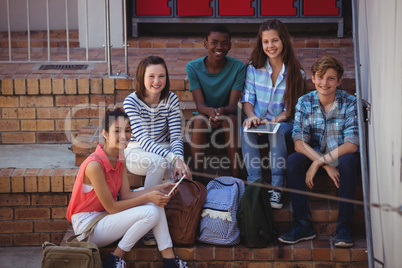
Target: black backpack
{"points": [[255, 217]]}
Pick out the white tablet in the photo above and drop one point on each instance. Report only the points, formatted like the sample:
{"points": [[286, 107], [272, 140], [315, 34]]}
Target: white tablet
{"points": [[177, 184], [270, 128]]}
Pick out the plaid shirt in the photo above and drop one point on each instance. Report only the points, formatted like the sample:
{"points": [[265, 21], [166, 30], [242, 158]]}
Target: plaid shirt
{"points": [[266, 99], [320, 131]]}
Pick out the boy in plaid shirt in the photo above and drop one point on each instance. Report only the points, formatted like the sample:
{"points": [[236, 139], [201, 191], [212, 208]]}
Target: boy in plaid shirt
{"points": [[326, 136]]}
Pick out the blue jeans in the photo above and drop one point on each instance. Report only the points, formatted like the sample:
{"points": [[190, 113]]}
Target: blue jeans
{"points": [[348, 166], [277, 156]]}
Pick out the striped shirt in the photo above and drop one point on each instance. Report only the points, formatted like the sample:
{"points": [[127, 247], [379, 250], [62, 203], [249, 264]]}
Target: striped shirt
{"points": [[157, 124], [266, 99], [323, 131]]}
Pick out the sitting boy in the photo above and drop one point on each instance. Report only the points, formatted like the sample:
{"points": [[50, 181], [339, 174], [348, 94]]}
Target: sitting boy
{"points": [[326, 135], [216, 82]]}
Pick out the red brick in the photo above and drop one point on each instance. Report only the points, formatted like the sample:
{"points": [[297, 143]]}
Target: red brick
{"points": [[69, 179], [121, 95], [302, 251], [73, 124], [262, 254], [71, 100], [124, 83], [281, 264], [52, 113], [53, 137], [31, 180], [223, 253], [102, 100], [243, 253], [33, 86], [9, 113], [56, 180], [85, 112], [28, 125], [8, 101], [6, 214], [59, 212], [20, 86], [18, 137], [51, 226], [145, 44], [9, 125], [32, 213], [187, 44], [5, 183], [204, 252], [185, 253], [108, 86], [6, 240], [341, 254], [49, 199], [321, 249], [44, 180], [9, 227], [7, 87], [287, 253], [58, 85], [146, 254], [313, 43], [7, 200], [17, 180], [56, 238], [45, 86], [36, 101], [177, 84], [30, 239], [70, 85], [242, 44], [83, 86], [45, 125], [27, 113], [96, 86]]}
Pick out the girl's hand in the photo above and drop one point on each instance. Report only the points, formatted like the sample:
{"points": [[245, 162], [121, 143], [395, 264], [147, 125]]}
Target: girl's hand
{"points": [[164, 187], [252, 121], [158, 198], [180, 169]]}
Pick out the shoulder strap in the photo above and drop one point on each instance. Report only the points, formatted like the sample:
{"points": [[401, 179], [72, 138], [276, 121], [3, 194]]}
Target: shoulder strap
{"points": [[90, 227]]}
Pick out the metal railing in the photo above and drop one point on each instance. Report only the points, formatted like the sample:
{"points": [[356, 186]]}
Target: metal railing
{"points": [[107, 46]]}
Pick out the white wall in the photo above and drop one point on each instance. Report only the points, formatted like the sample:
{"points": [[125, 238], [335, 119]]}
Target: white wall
{"points": [[380, 39], [57, 17]]}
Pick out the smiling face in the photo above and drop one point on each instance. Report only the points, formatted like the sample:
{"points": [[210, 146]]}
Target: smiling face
{"points": [[272, 44], [326, 83], [218, 45], [154, 79], [119, 134]]}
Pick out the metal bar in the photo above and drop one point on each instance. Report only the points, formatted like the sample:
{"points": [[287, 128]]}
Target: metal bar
{"points": [[29, 32], [67, 32], [86, 30], [48, 30], [125, 37], [104, 15], [363, 149], [9, 30], [109, 62]]}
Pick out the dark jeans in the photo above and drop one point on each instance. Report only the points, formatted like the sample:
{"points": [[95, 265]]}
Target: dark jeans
{"points": [[348, 166]]}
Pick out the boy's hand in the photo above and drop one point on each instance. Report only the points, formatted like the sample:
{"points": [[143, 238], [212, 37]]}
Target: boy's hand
{"points": [[333, 173], [252, 121], [311, 173]]}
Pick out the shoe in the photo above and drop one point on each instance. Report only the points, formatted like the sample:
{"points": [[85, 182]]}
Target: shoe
{"points": [[299, 232], [148, 239], [114, 262], [343, 236], [174, 263], [276, 199]]}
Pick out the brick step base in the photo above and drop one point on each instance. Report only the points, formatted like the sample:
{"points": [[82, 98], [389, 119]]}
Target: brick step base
{"points": [[319, 252]]}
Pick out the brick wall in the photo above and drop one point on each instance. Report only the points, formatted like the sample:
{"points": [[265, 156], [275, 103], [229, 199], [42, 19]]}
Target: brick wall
{"points": [[53, 108], [33, 205]]}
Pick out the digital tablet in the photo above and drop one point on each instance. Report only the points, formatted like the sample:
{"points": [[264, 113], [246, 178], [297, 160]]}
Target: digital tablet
{"points": [[177, 184], [270, 128]]}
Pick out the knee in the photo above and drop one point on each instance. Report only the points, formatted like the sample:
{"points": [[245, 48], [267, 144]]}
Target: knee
{"points": [[151, 214], [349, 161], [200, 122], [294, 162]]}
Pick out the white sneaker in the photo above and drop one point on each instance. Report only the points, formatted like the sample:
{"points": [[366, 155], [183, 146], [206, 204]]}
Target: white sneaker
{"points": [[276, 199], [180, 263], [148, 239]]}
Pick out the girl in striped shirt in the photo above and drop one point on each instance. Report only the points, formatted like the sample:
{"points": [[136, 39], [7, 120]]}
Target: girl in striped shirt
{"points": [[156, 143]]}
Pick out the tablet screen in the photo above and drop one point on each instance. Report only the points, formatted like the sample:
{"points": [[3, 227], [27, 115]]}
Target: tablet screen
{"points": [[264, 128]]}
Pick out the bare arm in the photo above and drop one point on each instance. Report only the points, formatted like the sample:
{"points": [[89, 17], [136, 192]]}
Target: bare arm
{"points": [[94, 173]]}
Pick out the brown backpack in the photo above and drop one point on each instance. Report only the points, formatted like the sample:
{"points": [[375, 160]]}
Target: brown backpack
{"points": [[183, 211]]}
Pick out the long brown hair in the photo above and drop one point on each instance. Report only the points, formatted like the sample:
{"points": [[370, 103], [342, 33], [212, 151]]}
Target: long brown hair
{"points": [[139, 77], [295, 84]]}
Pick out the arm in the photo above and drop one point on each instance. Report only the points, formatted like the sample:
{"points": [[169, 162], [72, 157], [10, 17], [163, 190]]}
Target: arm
{"points": [[94, 173], [200, 103], [251, 119]]}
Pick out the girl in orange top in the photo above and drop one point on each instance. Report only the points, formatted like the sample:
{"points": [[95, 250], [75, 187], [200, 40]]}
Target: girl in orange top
{"points": [[103, 176]]}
